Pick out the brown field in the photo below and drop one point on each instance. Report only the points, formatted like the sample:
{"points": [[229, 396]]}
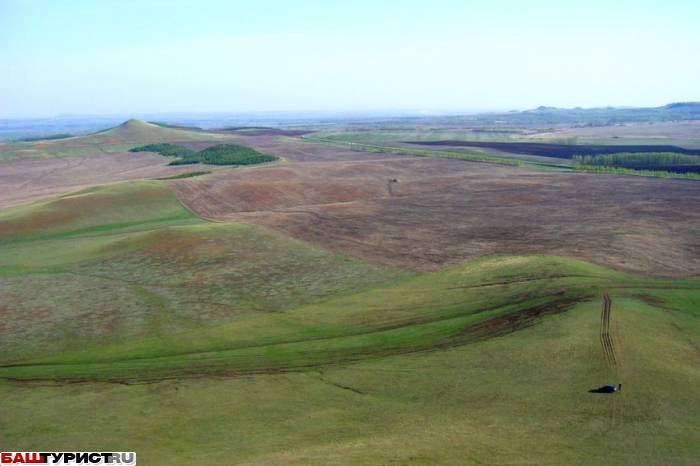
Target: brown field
{"points": [[661, 130], [444, 211], [440, 212], [31, 180]]}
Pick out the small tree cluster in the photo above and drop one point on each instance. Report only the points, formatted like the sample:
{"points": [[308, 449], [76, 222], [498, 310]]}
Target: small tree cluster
{"points": [[223, 154], [163, 148]]}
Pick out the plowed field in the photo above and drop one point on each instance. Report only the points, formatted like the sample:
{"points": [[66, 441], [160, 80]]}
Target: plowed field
{"points": [[31, 180], [442, 211]]}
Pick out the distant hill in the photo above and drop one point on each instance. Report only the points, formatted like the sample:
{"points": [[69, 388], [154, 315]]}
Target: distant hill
{"points": [[691, 107], [140, 131], [676, 107], [600, 116]]}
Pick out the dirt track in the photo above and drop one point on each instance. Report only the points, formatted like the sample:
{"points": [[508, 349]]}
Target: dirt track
{"points": [[605, 339]]}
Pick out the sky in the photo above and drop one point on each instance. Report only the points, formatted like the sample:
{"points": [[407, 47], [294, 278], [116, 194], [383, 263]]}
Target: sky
{"points": [[112, 57]]}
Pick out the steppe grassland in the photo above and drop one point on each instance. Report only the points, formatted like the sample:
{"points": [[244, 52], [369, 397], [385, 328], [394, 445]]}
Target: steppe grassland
{"points": [[399, 370], [522, 397], [128, 261]]}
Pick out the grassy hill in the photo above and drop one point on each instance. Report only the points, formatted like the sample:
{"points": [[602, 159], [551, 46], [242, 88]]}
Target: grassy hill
{"points": [[193, 342], [140, 131], [128, 261], [441, 368], [120, 138], [97, 209], [468, 303]]}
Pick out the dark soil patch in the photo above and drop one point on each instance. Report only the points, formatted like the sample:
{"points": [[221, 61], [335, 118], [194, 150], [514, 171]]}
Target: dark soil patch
{"points": [[560, 151]]}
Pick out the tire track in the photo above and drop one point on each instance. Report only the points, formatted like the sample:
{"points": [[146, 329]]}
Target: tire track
{"points": [[606, 341], [44, 174]]}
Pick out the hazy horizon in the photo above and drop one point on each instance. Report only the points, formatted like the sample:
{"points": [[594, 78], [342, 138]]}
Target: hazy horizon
{"points": [[211, 56]]}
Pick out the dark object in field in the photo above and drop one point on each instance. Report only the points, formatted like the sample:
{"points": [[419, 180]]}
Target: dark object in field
{"points": [[561, 151], [609, 388]]}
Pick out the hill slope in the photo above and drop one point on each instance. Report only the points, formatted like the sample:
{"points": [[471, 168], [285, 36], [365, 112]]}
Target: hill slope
{"points": [[140, 131], [520, 397], [326, 360], [118, 139]]}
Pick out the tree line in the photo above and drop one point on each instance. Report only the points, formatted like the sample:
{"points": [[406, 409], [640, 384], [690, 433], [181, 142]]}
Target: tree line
{"points": [[163, 148], [631, 171], [47, 138], [628, 159]]}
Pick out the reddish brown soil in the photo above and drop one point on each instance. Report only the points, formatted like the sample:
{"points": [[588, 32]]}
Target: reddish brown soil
{"points": [[444, 211], [440, 212]]}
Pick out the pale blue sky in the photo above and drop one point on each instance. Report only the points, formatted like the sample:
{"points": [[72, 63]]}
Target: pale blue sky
{"points": [[142, 56]]}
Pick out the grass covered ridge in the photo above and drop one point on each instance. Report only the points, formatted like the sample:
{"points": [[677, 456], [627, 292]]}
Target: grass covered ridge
{"points": [[521, 397], [464, 304], [93, 210], [127, 261], [231, 342]]}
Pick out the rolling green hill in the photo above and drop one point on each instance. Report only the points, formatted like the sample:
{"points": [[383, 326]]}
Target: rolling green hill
{"points": [[135, 263], [120, 138], [96, 209], [490, 362], [129, 324]]}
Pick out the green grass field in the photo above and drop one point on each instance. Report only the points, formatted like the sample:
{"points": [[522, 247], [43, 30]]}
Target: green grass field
{"points": [[519, 398], [127, 261], [131, 325], [396, 138], [390, 143], [380, 137]]}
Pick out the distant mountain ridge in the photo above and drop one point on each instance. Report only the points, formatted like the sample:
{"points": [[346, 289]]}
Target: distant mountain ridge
{"points": [[682, 106], [690, 106], [599, 116]]}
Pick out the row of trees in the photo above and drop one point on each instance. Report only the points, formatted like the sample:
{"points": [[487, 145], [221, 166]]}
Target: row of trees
{"points": [[163, 148], [184, 175], [628, 159], [50, 137], [630, 171]]}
